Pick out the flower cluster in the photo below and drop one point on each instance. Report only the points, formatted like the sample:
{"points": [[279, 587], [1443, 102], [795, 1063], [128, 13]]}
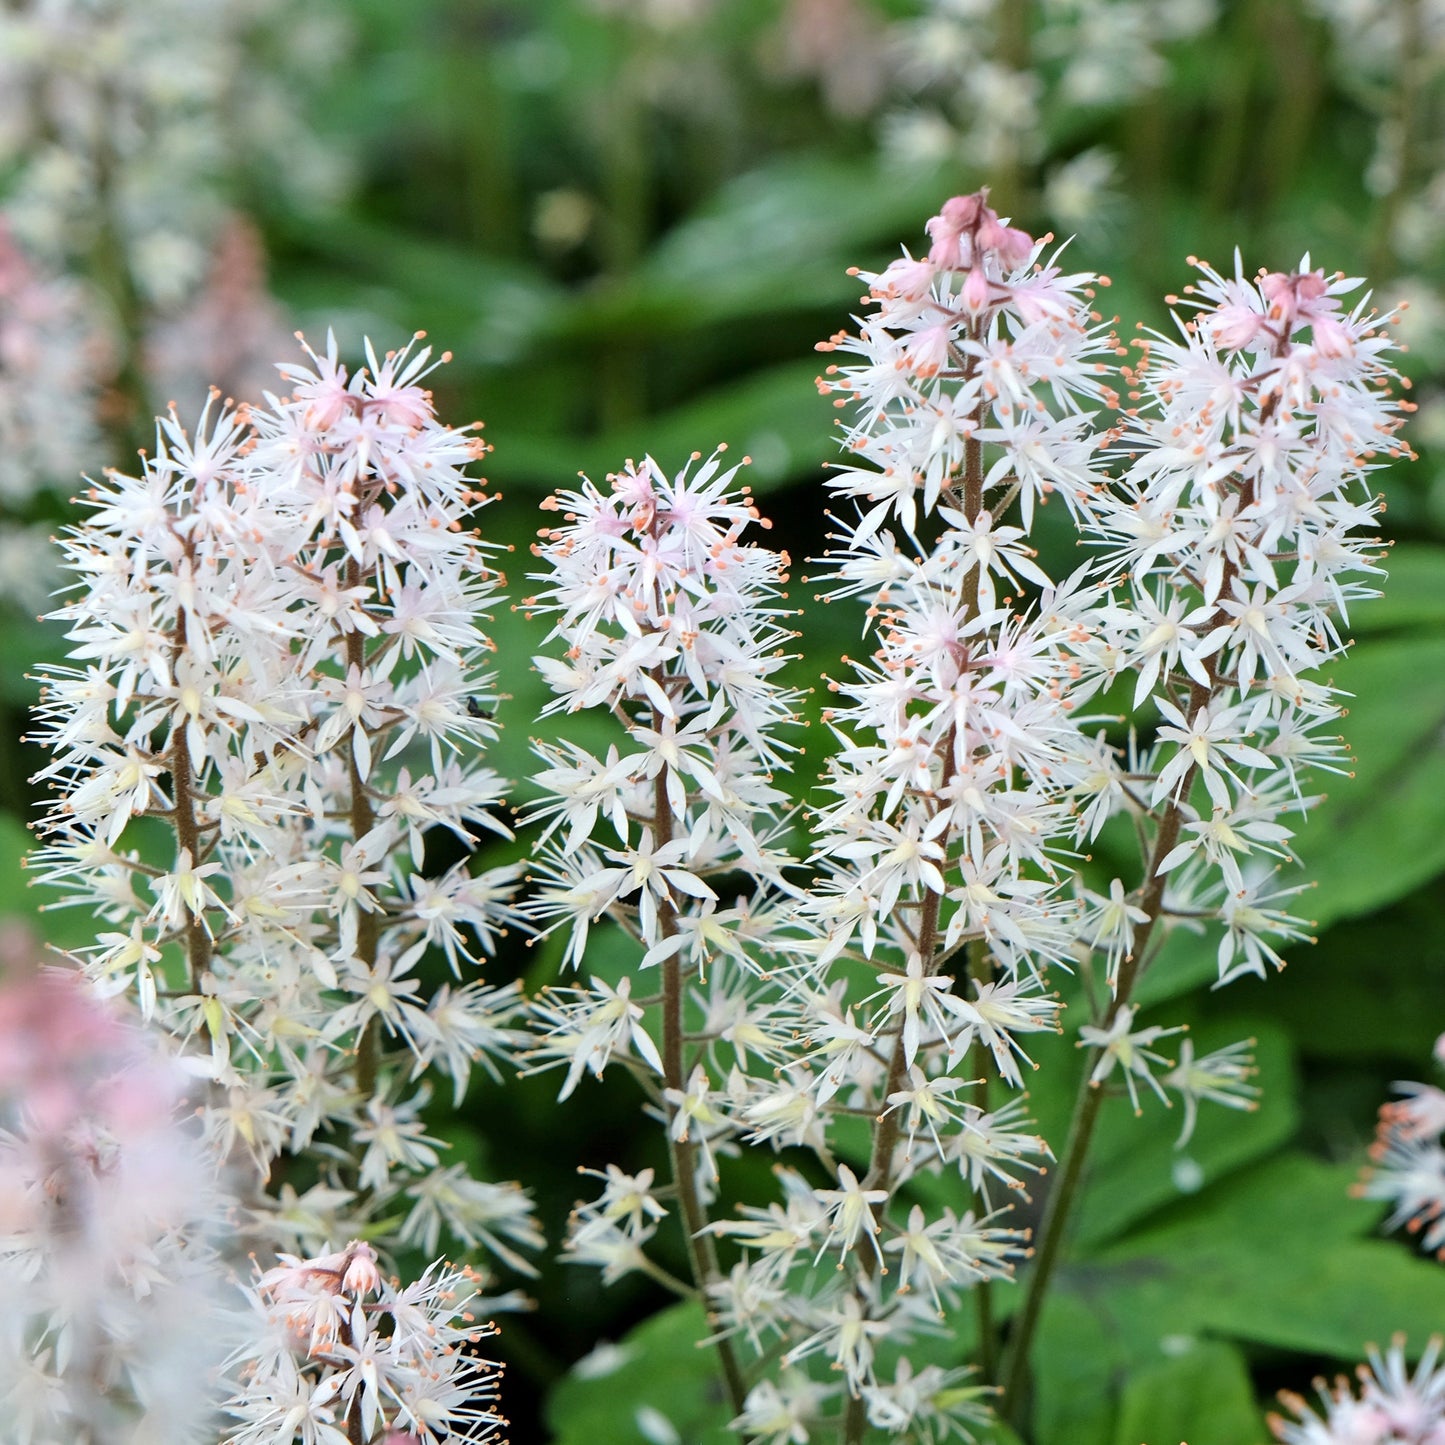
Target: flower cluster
{"points": [[1408, 1160], [941, 852], [1393, 1406], [53, 360], [964, 86], [272, 714], [1240, 535], [266, 753], [120, 125], [116, 1305], [342, 1355], [124, 138], [674, 624]]}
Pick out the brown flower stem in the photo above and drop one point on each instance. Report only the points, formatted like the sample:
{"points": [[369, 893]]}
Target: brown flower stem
{"points": [[183, 817], [1087, 1103], [885, 1134], [701, 1250], [363, 820]]}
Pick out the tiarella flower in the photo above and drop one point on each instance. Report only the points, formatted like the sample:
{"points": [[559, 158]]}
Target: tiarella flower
{"points": [[279, 625], [1221, 1077], [944, 841], [1123, 1045], [780, 1413], [1252, 446]]}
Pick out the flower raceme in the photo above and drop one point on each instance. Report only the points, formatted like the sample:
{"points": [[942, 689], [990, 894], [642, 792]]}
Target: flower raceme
{"points": [[1221, 484], [1224, 500], [272, 701], [340, 1353]]}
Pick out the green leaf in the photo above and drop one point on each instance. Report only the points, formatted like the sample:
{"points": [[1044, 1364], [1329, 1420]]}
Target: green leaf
{"points": [[1380, 834], [485, 309], [1077, 1359], [1412, 595], [660, 1367], [774, 416], [793, 210], [1242, 1260], [1200, 1393], [1271, 1257], [1336, 1003]]}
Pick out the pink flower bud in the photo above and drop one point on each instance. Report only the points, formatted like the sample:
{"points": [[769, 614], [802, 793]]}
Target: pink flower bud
{"points": [[976, 290], [1012, 246], [361, 1276], [1235, 327]]}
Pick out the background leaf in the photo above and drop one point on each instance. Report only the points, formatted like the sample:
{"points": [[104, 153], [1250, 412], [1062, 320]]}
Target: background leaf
{"points": [[659, 1366]]}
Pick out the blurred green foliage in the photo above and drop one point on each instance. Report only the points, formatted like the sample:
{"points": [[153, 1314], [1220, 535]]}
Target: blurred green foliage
{"points": [[630, 236]]}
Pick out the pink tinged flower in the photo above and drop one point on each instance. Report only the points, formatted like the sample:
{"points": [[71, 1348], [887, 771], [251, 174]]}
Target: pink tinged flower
{"points": [[905, 279], [927, 350], [1393, 1405], [393, 390], [1235, 327]]}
